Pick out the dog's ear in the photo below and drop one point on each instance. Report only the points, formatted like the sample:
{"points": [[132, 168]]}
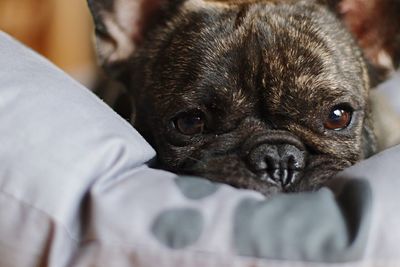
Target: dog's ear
{"points": [[120, 26], [376, 26]]}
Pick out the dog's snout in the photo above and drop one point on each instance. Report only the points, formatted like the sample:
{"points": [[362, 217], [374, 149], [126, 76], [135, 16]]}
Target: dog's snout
{"points": [[278, 162]]}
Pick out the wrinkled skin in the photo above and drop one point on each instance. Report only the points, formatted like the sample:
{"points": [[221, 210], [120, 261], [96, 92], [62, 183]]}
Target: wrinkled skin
{"points": [[262, 74]]}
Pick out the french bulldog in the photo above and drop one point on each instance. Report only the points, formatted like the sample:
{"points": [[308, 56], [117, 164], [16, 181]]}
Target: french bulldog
{"points": [[268, 95]]}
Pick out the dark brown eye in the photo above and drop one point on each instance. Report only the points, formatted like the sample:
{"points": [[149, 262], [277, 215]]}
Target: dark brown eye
{"points": [[339, 118], [190, 123]]}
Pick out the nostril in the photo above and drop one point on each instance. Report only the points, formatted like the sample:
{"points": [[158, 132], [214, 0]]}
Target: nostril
{"points": [[271, 162], [292, 157], [264, 158], [291, 162]]}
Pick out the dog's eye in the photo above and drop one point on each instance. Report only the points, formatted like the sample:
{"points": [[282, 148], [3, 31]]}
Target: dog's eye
{"points": [[190, 123], [339, 118]]}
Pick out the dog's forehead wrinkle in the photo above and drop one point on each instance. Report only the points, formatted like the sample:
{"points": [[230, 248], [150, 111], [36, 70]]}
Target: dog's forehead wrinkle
{"points": [[210, 48], [239, 97], [234, 98], [220, 46], [310, 62], [224, 44]]}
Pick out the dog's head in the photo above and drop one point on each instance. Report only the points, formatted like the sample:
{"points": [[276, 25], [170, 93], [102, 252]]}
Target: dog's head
{"points": [[267, 95]]}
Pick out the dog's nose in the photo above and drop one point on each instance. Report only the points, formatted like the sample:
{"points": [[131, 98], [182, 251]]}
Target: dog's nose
{"points": [[279, 163]]}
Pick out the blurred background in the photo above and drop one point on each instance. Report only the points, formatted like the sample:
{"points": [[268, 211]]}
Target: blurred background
{"points": [[61, 30]]}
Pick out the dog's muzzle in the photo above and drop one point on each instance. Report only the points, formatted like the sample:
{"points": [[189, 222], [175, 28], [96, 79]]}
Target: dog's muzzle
{"points": [[277, 157]]}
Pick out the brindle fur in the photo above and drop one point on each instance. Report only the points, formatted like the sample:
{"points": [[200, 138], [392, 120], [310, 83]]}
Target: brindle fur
{"points": [[255, 68]]}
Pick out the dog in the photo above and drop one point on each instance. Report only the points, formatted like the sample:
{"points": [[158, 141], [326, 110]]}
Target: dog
{"points": [[268, 95]]}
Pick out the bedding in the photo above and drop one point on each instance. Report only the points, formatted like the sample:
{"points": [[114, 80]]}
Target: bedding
{"points": [[76, 189]]}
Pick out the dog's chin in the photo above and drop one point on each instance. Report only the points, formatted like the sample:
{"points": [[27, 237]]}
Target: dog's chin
{"points": [[234, 171]]}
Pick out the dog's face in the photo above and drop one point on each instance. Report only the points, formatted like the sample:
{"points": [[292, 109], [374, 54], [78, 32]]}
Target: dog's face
{"points": [[265, 95]]}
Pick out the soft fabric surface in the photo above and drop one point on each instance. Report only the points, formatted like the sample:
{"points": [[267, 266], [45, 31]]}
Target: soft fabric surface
{"points": [[75, 191]]}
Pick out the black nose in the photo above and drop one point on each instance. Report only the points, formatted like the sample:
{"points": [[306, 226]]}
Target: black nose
{"points": [[279, 163]]}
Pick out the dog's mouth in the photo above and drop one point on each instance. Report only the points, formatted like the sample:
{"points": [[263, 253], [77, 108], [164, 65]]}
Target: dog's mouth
{"points": [[269, 162], [284, 178], [233, 170]]}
